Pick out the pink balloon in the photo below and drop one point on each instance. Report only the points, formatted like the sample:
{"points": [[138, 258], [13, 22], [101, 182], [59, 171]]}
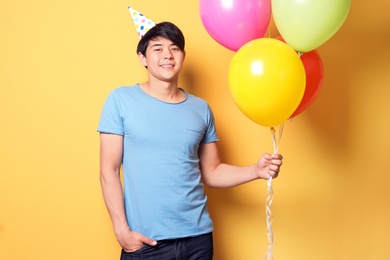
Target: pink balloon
{"points": [[232, 23]]}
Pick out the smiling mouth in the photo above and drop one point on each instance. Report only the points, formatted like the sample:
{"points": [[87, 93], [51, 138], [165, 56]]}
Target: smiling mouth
{"points": [[167, 66]]}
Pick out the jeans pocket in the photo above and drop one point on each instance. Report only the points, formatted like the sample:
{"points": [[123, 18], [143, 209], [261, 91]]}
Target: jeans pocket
{"points": [[136, 252]]}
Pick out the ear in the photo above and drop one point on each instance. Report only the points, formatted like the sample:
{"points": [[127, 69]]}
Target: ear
{"points": [[142, 59], [184, 55]]}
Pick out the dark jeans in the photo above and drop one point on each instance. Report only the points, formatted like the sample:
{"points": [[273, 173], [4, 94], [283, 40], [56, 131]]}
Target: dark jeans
{"points": [[189, 248]]}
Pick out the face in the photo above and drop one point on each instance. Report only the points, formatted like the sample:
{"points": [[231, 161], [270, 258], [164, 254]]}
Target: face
{"points": [[163, 59]]}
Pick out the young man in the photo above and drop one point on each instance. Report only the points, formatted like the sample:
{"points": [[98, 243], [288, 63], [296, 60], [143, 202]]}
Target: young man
{"points": [[165, 140]]}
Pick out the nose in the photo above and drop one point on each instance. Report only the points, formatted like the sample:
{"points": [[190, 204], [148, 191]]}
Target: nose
{"points": [[168, 55]]}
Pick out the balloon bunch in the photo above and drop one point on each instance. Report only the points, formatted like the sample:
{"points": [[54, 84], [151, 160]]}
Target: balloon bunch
{"points": [[269, 81], [273, 79]]}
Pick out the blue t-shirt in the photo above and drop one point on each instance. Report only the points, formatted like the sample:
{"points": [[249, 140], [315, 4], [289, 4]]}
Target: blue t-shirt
{"points": [[163, 193]]}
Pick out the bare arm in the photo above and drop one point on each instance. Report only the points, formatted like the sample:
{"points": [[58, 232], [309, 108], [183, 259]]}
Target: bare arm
{"points": [[111, 151], [220, 175]]}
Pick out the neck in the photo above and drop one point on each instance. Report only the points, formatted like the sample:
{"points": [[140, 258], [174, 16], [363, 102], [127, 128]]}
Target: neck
{"points": [[165, 91]]}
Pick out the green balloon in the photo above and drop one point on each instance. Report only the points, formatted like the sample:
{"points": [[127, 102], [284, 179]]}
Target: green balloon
{"points": [[307, 24]]}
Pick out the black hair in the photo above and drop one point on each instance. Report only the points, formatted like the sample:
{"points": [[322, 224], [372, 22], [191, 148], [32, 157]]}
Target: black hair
{"points": [[166, 30]]}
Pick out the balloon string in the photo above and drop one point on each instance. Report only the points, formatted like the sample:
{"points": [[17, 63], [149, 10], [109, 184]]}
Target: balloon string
{"points": [[276, 141], [270, 197]]}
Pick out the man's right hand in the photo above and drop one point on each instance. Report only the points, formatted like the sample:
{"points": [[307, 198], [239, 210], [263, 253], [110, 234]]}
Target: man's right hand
{"points": [[132, 241]]}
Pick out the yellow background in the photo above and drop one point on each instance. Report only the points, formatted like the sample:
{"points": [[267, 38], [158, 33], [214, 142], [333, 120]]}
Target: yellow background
{"points": [[58, 62]]}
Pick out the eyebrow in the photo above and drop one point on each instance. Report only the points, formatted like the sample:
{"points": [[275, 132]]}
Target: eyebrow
{"points": [[156, 44], [160, 44]]}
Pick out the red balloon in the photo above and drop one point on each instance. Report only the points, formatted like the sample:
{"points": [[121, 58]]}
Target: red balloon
{"points": [[314, 76]]}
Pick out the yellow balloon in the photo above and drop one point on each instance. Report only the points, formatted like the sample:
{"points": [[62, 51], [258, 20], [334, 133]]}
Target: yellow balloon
{"points": [[267, 81]]}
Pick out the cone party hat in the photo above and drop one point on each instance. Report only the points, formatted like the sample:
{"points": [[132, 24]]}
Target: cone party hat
{"points": [[142, 24]]}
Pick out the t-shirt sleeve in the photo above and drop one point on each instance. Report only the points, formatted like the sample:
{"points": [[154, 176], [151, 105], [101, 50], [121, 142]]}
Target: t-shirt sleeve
{"points": [[211, 131], [111, 116]]}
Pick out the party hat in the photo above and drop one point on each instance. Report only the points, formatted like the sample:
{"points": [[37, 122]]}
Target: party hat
{"points": [[142, 24]]}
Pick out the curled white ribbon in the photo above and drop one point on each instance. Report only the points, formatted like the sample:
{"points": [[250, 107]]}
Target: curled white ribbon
{"points": [[270, 197]]}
